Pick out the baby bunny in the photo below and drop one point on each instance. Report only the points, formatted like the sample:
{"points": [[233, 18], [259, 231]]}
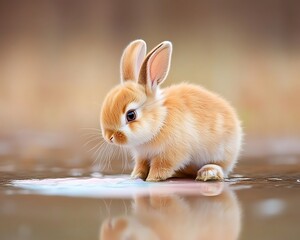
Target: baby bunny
{"points": [[182, 130]]}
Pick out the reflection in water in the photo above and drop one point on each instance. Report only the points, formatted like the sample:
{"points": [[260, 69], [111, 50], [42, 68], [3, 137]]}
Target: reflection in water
{"points": [[214, 213]]}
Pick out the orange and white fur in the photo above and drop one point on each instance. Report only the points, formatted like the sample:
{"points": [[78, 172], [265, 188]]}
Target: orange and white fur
{"points": [[176, 131]]}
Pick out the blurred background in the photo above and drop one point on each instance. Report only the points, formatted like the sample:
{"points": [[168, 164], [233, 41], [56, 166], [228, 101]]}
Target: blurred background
{"points": [[58, 59]]}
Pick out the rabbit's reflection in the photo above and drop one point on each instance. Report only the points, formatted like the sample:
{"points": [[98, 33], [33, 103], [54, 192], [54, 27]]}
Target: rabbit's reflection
{"points": [[215, 214]]}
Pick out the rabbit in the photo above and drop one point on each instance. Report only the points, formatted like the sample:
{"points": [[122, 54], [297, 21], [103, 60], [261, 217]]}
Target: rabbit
{"points": [[181, 130]]}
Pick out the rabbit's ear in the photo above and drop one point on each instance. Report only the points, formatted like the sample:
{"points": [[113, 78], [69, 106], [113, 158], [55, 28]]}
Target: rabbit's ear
{"points": [[132, 59], [156, 66]]}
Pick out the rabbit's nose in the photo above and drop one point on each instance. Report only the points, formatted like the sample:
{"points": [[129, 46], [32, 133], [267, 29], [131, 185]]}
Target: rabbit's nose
{"points": [[109, 135]]}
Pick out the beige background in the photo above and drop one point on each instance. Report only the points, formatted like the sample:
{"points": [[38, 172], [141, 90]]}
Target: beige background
{"points": [[59, 58]]}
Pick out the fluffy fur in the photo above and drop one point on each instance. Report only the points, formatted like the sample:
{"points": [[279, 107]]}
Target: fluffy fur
{"points": [[180, 130]]}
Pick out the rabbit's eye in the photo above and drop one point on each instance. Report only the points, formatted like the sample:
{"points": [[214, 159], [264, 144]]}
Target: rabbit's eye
{"points": [[130, 115]]}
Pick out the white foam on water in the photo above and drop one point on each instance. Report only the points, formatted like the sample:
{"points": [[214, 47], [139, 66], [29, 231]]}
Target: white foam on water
{"points": [[117, 187]]}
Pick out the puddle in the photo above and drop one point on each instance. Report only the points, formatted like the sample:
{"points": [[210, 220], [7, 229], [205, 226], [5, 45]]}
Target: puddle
{"points": [[131, 209], [255, 203], [117, 186], [174, 216]]}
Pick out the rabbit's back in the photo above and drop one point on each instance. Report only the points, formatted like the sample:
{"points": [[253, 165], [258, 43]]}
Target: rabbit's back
{"points": [[206, 122], [207, 108]]}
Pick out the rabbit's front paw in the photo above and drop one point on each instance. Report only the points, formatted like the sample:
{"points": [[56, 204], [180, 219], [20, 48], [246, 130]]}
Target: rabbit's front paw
{"points": [[141, 169], [155, 179], [210, 172], [158, 175], [138, 174]]}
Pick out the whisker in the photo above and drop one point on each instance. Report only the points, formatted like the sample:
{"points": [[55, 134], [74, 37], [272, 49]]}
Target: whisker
{"points": [[95, 153], [124, 152], [127, 159], [91, 140], [106, 154], [97, 145], [107, 207], [101, 149], [125, 207], [107, 157], [104, 166], [91, 129], [88, 135], [123, 160], [120, 155], [125, 156], [112, 154]]}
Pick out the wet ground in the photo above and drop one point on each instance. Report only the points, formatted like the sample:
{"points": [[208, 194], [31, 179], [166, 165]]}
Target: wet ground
{"points": [[261, 200]]}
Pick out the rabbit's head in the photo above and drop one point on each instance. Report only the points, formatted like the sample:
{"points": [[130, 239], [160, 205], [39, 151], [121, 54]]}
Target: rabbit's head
{"points": [[133, 112]]}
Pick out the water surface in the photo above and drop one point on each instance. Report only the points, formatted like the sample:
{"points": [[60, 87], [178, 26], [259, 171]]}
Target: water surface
{"points": [[259, 201]]}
